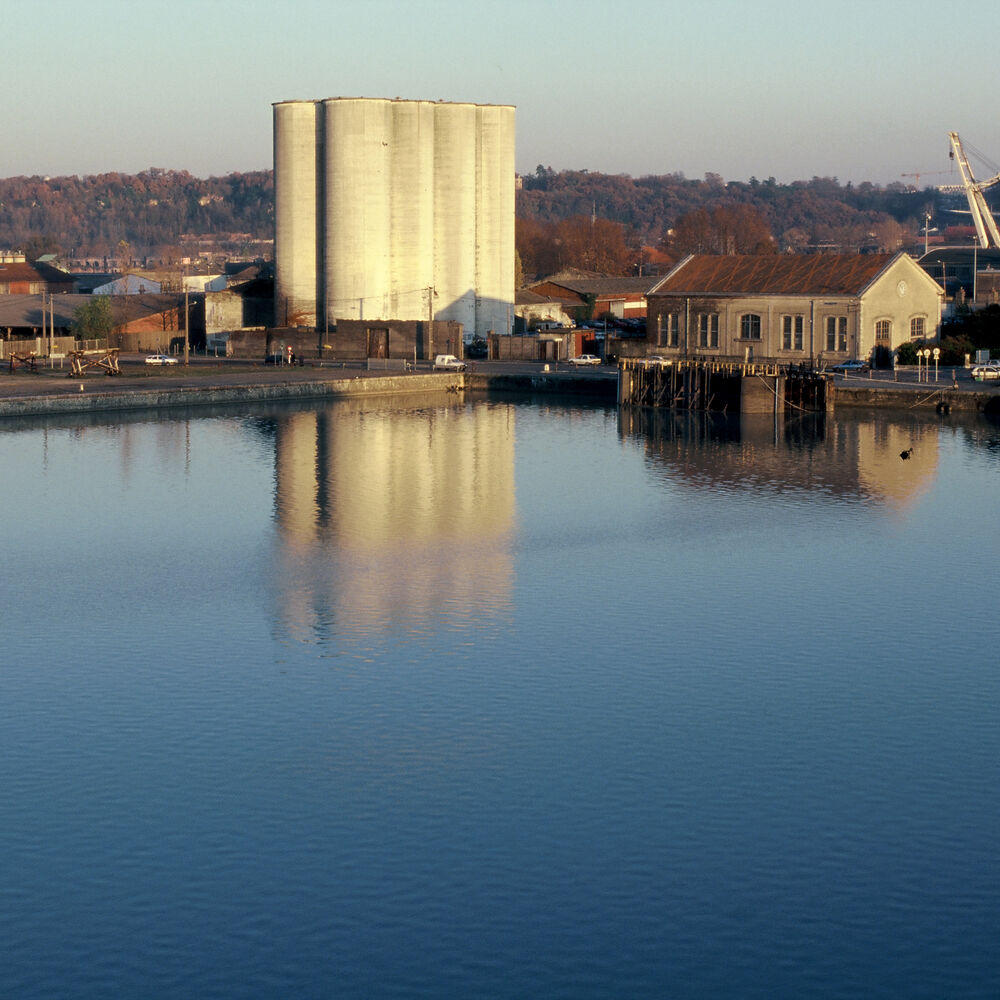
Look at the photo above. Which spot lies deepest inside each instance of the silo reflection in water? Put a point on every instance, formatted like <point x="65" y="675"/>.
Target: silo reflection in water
<point x="392" y="516"/>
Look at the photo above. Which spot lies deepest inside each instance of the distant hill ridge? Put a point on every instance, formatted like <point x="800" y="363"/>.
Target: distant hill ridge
<point x="158" y="211"/>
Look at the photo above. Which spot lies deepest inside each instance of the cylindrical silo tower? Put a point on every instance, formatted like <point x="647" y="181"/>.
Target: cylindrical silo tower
<point x="296" y="250"/>
<point x="495" y="219"/>
<point x="358" y="139"/>
<point x="411" y="193"/>
<point x="394" y="210"/>
<point x="455" y="214"/>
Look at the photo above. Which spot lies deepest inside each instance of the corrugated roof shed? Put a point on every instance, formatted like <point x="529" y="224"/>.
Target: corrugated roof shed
<point x="22" y="271"/>
<point x="20" y="311"/>
<point x="786" y="274"/>
<point x="601" y="286"/>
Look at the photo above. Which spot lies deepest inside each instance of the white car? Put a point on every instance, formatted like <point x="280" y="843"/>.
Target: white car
<point x="983" y="372"/>
<point x="585" y="359"/>
<point x="448" y="363"/>
<point x="160" y="359"/>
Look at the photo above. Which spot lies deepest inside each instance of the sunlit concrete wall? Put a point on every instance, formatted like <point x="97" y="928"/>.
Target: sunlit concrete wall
<point x="296" y="145"/>
<point x="411" y="210"/>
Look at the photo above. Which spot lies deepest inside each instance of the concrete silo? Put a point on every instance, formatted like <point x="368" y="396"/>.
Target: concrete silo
<point x="410" y="206"/>
<point x="296" y="237"/>
<point x="494" y="209"/>
<point x="455" y="213"/>
<point x="412" y="210"/>
<point x="358" y="137"/>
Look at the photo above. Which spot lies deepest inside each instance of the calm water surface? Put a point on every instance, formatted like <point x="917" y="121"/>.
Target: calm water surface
<point x="499" y="699"/>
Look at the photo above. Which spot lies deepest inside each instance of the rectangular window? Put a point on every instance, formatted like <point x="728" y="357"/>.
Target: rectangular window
<point x="750" y="326"/>
<point x="669" y="330"/>
<point x="708" y="330"/>
<point x="791" y="332"/>
<point x="836" y="333"/>
<point x="883" y="331"/>
<point x="917" y="328"/>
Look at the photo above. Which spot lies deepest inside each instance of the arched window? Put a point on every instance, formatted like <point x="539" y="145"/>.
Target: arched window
<point x="883" y="331"/>
<point x="750" y="326"/>
<point x="917" y="328"/>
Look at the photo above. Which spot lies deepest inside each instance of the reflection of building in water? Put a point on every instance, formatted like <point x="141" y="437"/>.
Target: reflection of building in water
<point x="389" y="516"/>
<point x="855" y="458"/>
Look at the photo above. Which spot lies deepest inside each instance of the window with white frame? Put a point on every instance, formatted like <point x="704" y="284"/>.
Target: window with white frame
<point x="836" y="333"/>
<point x="673" y="329"/>
<point x="708" y="330"/>
<point x="883" y="332"/>
<point x="750" y="326"/>
<point x="917" y="328"/>
<point x="792" y="328"/>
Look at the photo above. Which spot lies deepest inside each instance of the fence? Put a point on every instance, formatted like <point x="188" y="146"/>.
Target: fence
<point x="389" y="364"/>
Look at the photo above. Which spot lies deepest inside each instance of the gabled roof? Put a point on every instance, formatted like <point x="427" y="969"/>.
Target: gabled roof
<point x="526" y="297"/>
<point x="775" y="274"/>
<point x="598" y="285"/>
<point x="24" y="271"/>
<point x="26" y="310"/>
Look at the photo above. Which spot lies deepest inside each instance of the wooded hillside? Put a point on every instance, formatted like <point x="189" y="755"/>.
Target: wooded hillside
<point x="142" y="215"/>
<point x="150" y="214"/>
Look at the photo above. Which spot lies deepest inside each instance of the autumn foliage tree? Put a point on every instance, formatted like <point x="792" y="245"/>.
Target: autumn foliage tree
<point x="589" y="244"/>
<point x="724" y="229"/>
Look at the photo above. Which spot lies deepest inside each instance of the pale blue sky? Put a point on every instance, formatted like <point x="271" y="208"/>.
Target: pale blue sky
<point x="858" y="89"/>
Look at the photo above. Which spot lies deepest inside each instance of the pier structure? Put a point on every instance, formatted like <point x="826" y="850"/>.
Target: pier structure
<point x="727" y="386"/>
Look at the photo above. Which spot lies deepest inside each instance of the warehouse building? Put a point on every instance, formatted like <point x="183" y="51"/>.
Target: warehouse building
<point x="394" y="210"/>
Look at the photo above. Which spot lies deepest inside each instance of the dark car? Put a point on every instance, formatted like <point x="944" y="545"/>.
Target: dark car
<point x="851" y="368"/>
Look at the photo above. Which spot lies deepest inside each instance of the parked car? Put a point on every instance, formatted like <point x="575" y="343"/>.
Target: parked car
<point x="983" y="373"/>
<point x="585" y="359"/>
<point x="659" y="359"/>
<point x="160" y="359"/>
<point x="851" y="368"/>
<point x="448" y="363"/>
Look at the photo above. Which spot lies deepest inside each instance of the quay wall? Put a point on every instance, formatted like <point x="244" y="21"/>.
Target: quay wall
<point x="599" y="387"/>
<point x="928" y="398"/>
<point x="91" y="401"/>
<point x="603" y="386"/>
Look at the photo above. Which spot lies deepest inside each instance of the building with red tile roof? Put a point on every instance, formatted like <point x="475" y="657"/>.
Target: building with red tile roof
<point x="821" y="308"/>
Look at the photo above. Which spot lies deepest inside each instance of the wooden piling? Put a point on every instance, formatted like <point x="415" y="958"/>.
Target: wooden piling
<point x="701" y="384"/>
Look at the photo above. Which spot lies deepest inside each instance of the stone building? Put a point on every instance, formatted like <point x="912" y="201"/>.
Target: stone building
<point x="817" y="309"/>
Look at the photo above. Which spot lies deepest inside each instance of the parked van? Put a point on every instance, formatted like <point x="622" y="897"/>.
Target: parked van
<point x="448" y="363"/>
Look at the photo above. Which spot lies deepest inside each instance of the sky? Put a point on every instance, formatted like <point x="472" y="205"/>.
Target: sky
<point x="859" y="91"/>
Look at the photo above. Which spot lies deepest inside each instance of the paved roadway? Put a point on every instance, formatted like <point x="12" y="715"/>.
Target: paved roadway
<point x="947" y="378"/>
<point x="201" y="371"/>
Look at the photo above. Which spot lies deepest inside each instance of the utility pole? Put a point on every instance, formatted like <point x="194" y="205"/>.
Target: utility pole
<point x="187" y="339"/>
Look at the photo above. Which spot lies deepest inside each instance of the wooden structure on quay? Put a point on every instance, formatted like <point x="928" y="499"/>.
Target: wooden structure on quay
<point x="105" y="359"/>
<point x="27" y="360"/>
<point x="728" y="386"/>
